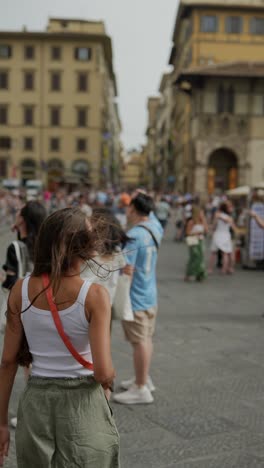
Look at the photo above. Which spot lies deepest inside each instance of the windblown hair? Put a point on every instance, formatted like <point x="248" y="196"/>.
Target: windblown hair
<point x="65" y="236"/>
<point x="115" y="235"/>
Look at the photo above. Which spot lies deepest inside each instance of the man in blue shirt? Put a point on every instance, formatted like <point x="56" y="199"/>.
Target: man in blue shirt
<point x="142" y="254"/>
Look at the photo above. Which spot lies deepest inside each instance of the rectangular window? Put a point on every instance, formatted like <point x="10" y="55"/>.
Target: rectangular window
<point x="54" y="144"/>
<point x="5" y="142"/>
<point x="55" y="81"/>
<point x="234" y="25"/>
<point x="55" y="116"/>
<point x="82" y="117"/>
<point x="28" y="81"/>
<point x="55" y="53"/>
<point x="257" y="26"/>
<point x="82" y="82"/>
<point x="3" y="115"/>
<point x="81" y="145"/>
<point x="28" y="115"/>
<point x="209" y="24"/>
<point x="5" y="51"/>
<point x="84" y="54"/>
<point x="28" y="143"/>
<point x="29" y="52"/>
<point x="3" y="80"/>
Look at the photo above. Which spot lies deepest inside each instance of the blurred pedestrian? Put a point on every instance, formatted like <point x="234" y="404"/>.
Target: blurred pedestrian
<point x="162" y="211"/>
<point x="84" y="207"/>
<point x="105" y="268"/>
<point x="222" y="239"/>
<point x="195" y="230"/>
<point x="20" y="254"/>
<point x="142" y="254"/>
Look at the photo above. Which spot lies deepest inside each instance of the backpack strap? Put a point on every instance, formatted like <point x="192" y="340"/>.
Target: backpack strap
<point x="151" y="233"/>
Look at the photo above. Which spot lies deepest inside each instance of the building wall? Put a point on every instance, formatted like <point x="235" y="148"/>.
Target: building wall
<point x="68" y="99"/>
<point x="222" y="47"/>
<point x="194" y="48"/>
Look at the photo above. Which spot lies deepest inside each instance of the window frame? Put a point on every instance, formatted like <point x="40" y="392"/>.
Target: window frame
<point x="28" y="122"/>
<point x="27" y="74"/>
<point x="4" y="109"/>
<point x="6" y="139"/>
<point x="4" y="73"/>
<point x="230" y="21"/>
<point x="29" y="56"/>
<point x="9" y="49"/>
<point x="54" y="75"/>
<point x="57" y="121"/>
<point x="254" y="21"/>
<point x="208" y="18"/>
<point x="26" y="146"/>
<point x="79" y="116"/>
<point x="80" y="76"/>
<point x="53" y="56"/>
<point x="55" y="148"/>
<point x="80" y="148"/>
<point x="77" y="54"/>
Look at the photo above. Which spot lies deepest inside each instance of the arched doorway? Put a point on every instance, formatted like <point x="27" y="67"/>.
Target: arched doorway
<point x="222" y="171"/>
<point x="55" y="169"/>
<point x="28" y="169"/>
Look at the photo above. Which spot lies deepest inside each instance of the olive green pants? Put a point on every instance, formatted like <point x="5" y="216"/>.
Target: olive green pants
<point x="65" y="423"/>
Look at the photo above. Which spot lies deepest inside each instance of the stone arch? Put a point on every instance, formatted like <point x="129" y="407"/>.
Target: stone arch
<point x="55" y="169"/>
<point x="222" y="166"/>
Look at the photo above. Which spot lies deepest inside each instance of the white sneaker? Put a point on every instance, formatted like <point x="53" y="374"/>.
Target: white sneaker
<point x="134" y="395"/>
<point x="13" y="422"/>
<point x="126" y="384"/>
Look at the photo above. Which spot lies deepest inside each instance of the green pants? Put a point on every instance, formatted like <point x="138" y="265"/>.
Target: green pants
<point x="65" y="423"/>
<point x="196" y="264"/>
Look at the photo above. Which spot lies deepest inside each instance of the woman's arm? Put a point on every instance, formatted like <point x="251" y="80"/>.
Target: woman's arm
<point x="257" y="218"/>
<point x="8" y="367"/>
<point x="99" y="315"/>
<point x="204" y="221"/>
<point x="189" y="228"/>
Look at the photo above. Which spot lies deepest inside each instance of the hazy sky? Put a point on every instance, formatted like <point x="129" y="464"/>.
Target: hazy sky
<point x="141" y="31"/>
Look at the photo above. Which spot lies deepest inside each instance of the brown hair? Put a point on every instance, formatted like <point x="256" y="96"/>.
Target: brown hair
<point x="64" y="236"/>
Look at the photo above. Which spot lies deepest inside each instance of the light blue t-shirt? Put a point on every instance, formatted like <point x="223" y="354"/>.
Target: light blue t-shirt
<point x="142" y="253"/>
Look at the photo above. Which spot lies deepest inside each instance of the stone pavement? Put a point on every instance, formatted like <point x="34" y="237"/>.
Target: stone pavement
<point x="209" y="371"/>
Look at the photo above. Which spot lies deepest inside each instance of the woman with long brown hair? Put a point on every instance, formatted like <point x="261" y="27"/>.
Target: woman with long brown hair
<point x="64" y="418"/>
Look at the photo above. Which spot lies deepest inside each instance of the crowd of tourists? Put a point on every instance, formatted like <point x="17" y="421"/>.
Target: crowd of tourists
<point x="79" y="260"/>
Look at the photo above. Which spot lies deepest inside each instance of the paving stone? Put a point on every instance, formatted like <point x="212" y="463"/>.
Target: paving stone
<point x="208" y="368"/>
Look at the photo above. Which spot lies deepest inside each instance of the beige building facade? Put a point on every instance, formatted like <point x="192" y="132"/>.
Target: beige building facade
<point x="217" y="115"/>
<point x="57" y="95"/>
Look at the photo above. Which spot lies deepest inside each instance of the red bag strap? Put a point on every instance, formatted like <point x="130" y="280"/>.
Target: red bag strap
<point x="58" y="324"/>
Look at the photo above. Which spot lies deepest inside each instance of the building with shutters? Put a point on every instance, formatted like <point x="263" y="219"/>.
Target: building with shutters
<point x="58" y="113"/>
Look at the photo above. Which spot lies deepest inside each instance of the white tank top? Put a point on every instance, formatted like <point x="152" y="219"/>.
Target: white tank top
<point x="51" y="358"/>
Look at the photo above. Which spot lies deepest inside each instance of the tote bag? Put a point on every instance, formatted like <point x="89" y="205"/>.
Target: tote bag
<point x="122" y="308"/>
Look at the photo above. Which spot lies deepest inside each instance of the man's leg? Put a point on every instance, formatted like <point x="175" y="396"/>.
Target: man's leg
<point x="142" y="359"/>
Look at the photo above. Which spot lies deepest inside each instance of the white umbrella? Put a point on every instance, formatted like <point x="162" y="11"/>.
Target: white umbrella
<point x="239" y="191"/>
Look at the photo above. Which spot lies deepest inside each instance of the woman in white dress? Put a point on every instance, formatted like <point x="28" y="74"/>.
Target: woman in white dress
<point x="222" y="239"/>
